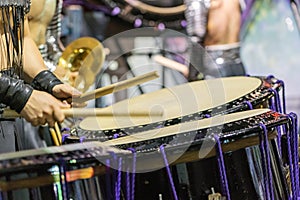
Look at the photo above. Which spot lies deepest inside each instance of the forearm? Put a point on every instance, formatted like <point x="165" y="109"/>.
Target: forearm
<point x="14" y="92"/>
<point x="33" y="61"/>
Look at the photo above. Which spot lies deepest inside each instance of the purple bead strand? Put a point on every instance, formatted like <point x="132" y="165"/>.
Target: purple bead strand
<point x="222" y="169"/>
<point x="169" y="172"/>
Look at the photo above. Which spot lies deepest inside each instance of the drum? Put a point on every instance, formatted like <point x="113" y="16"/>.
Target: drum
<point x="179" y="104"/>
<point x="234" y="154"/>
<point x="194" y="157"/>
<point x="73" y="171"/>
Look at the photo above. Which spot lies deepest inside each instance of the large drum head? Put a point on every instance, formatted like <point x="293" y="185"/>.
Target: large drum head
<point x="174" y="102"/>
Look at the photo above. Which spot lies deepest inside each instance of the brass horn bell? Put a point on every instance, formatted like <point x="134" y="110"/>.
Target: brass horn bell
<point x="81" y="61"/>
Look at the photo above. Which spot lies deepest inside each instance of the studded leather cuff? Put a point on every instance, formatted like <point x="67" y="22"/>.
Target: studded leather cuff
<point x="45" y="81"/>
<point x="14" y="92"/>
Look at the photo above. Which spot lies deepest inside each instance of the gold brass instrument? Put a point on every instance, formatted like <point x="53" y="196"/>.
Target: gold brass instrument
<point x="80" y="62"/>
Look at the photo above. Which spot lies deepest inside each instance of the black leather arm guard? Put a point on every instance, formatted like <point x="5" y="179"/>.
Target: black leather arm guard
<point x="45" y="81"/>
<point x="14" y="93"/>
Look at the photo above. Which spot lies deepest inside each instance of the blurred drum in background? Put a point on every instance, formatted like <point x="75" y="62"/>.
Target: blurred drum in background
<point x="66" y="172"/>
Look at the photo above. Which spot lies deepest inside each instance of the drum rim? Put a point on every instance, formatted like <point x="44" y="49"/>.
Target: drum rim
<point x="190" y="126"/>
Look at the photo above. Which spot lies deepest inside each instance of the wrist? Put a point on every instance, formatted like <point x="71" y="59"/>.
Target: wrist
<point x="45" y="81"/>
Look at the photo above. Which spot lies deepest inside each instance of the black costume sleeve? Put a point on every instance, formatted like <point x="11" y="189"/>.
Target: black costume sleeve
<point x="45" y="81"/>
<point x="14" y="92"/>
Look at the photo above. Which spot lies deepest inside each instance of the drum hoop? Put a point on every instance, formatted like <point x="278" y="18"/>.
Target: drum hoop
<point x="74" y="151"/>
<point x="250" y="128"/>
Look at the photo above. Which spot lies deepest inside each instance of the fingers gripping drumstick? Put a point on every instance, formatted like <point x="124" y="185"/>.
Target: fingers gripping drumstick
<point x="85" y="112"/>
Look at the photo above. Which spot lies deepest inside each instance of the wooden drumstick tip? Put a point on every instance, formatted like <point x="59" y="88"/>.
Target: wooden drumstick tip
<point x="116" y="87"/>
<point x="172" y="64"/>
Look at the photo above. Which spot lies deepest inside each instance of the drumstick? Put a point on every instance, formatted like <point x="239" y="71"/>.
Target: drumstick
<point x="54" y="136"/>
<point x="171" y="64"/>
<point x="116" y="87"/>
<point x="58" y="132"/>
<point x="88" y="112"/>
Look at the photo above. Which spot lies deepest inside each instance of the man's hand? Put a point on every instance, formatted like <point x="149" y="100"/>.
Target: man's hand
<point x="66" y="92"/>
<point x="42" y="108"/>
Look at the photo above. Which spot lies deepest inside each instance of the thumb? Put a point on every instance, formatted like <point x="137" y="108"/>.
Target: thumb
<point x="64" y="104"/>
<point x="76" y="93"/>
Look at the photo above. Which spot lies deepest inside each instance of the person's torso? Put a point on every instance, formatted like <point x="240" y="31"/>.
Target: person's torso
<point x="39" y="17"/>
<point x="224" y="21"/>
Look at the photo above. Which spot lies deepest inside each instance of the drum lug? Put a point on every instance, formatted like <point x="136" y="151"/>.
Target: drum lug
<point x="215" y="196"/>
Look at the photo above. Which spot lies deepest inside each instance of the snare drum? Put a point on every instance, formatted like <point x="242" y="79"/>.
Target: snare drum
<point x="179" y="104"/>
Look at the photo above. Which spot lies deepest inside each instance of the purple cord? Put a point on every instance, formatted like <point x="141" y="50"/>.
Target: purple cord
<point x="81" y="139"/>
<point x="65" y="129"/>
<point x="277" y="106"/>
<point x="207" y="116"/>
<point x="283" y="106"/>
<point x="115" y="136"/>
<point x="296" y="154"/>
<point x="168" y="171"/>
<point x="272" y="104"/>
<point x="283" y="96"/>
<point x="222" y="169"/>
<point x="293" y="154"/>
<point x="291" y="166"/>
<point x="114" y="182"/>
<point x="64" y="137"/>
<point x="118" y="187"/>
<point x="133" y="175"/>
<point x="115" y="175"/>
<point x="268" y="160"/>
<point x="249" y="104"/>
